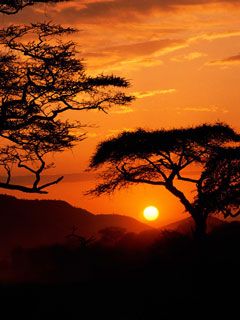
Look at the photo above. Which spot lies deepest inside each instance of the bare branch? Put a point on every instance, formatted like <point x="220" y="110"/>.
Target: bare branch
<point x="46" y="185"/>
<point x="21" y="188"/>
<point x="157" y="168"/>
<point x="187" y="179"/>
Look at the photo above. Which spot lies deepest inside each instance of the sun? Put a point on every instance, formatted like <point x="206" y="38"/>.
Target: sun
<point x="151" y="213"/>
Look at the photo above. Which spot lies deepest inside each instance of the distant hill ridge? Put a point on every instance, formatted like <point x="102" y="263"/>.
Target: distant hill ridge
<point x="187" y="225"/>
<point x="30" y="223"/>
<point x="11" y="200"/>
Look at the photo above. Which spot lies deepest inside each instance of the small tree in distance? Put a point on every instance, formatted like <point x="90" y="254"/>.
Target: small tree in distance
<point x="41" y="79"/>
<point x="161" y="157"/>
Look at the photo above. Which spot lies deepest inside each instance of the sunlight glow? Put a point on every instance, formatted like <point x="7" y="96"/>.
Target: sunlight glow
<point x="151" y="213"/>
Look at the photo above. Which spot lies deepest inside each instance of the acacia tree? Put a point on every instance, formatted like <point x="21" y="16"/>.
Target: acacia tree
<point x="162" y="157"/>
<point x="220" y="184"/>
<point x="14" y="6"/>
<point x="42" y="78"/>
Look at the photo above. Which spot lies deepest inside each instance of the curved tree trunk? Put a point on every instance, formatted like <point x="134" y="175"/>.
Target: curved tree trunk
<point x="198" y="217"/>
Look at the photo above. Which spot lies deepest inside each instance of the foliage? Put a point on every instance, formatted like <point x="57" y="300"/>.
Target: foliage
<point x="42" y="78"/>
<point x="14" y="6"/>
<point x="220" y="183"/>
<point x="161" y="158"/>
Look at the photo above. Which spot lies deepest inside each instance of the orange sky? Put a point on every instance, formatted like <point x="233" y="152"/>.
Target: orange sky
<point x="182" y="58"/>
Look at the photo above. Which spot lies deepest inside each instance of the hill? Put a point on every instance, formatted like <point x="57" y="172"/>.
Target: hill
<point x="186" y="226"/>
<point x="30" y="223"/>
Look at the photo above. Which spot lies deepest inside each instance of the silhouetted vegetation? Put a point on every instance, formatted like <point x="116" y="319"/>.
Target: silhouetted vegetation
<point x="61" y="262"/>
<point x="134" y="278"/>
<point x="163" y="156"/>
<point x="102" y="258"/>
<point x="117" y="274"/>
<point x="41" y="79"/>
<point x="14" y="6"/>
<point x="34" y="223"/>
<point x="220" y="192"/>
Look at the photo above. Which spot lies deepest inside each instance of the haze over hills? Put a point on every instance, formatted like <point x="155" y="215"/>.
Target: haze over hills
<point x="186" y="226"/>
<point x="30" y="223"/>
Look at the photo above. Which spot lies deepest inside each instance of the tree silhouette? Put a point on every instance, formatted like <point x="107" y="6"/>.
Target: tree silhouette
<point x="75" y="240"/>
<point x="219" y="191"/>
<point x="110" y="235"/>
<point x="14" y="6"/>
<point x="161" y="157"/>
<point x="41" y="79"/>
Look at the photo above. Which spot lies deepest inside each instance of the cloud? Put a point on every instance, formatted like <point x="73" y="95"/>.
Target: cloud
<point x="92" y="135"/>
<point x="146" y="47"/>
<point x="134" y="55"/>
<point x="106" y="11"/>
<point x="122" y="110"/>
<point x="215" y="36"/>
<point x="146" y="94"/>
<point x="232" y="60"/>
<point x="123" y="10"/>
<point x="115" y="132"/>
<point x="210" y="109"/>
<point x="190" y="56"/>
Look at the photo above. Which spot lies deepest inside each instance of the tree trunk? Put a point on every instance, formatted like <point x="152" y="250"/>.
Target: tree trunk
<point x="197" y="215"/>
<point x="200" y="227"/>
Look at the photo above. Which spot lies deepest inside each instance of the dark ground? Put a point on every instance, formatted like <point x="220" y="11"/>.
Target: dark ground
<point x="175" y="278"/>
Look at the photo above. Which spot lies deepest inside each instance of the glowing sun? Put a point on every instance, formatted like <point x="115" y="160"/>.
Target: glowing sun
<point x="151" y="213"/>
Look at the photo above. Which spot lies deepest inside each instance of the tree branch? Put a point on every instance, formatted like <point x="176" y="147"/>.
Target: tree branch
<point x="6" y="167"/>
<point x="21" y="188"/>
<point x="180" y="195"/>
<point x="155" y="183"/>
<point x="186" y="179"/>
<point x="50" y="183"/>
<point x="41" y="79"/>
<point x="157" y="168"/>
<point x="10" y="7"/>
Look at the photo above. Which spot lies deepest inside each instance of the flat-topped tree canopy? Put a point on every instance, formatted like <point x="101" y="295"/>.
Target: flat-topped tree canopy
<point x="142" y="143"/>
<point x="160" y="157"/>
<point x="14" y="6"/>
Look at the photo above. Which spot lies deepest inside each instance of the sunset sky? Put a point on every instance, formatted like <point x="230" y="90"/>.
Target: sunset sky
<point x="182" y="58"/>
